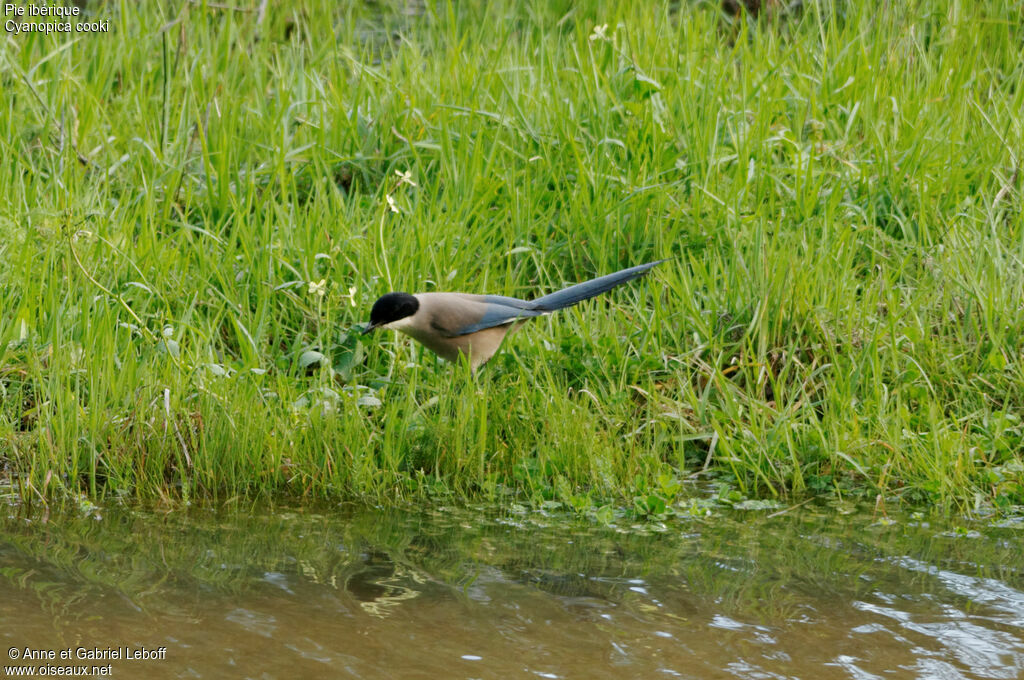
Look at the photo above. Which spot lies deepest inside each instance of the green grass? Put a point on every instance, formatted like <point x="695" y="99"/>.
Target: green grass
<point x="838" y="189"/>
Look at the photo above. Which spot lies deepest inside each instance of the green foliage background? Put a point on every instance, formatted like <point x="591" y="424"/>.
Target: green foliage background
<point x="838" y="186"/>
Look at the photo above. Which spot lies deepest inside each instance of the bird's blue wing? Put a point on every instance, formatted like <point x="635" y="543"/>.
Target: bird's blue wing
<point x="498" y="310"/>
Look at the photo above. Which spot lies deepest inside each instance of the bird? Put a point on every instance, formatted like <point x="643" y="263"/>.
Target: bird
<point x="453" y="325"/>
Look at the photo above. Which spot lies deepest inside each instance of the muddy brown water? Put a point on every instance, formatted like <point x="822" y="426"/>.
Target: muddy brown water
<point x="369" y="593"/>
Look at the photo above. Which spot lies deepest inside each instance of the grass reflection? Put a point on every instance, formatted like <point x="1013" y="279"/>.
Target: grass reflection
<point x="745" y="565"/>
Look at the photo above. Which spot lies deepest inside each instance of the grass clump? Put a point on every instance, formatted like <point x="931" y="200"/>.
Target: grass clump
<point x="199" y="206"/>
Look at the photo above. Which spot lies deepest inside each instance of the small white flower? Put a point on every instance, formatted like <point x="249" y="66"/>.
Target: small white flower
<point x="391" y="203"/>
<point x="405" y="178"/>
<point x="318" y="287"/>
<point x="352" y="296"/>
<point x="600" y="32"/>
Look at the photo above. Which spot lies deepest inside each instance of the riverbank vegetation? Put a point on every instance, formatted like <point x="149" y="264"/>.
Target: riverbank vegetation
<point x="198" y="208"/>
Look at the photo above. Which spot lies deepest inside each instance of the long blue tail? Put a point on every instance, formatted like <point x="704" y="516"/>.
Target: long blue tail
<point x="567" y="297"/>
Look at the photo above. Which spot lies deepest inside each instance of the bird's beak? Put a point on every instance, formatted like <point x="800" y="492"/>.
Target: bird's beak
<point x="369" y="327"/>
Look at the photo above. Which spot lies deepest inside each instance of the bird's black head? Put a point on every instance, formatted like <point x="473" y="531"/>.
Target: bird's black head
<point x="391" y="307"/>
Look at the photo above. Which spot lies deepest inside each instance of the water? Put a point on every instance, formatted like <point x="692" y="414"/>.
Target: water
<point x="363" y="593"/>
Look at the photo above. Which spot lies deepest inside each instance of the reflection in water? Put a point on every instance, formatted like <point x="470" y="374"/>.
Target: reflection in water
<point x="369" y="593"/>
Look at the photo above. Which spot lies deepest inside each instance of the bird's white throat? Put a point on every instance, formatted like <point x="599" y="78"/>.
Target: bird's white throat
<point x="400" y="324"/>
